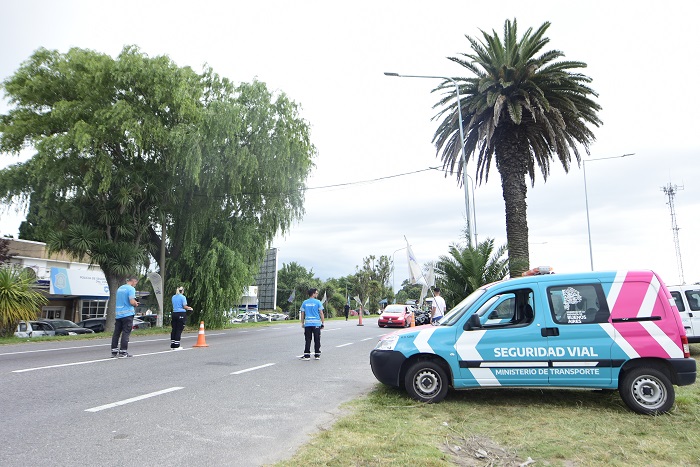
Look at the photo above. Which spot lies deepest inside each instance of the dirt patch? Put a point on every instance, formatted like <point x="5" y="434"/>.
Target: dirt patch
<point x="477" y="451"/>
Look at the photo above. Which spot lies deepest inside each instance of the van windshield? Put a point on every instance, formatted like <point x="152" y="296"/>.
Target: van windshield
<point x="458" y="311"/>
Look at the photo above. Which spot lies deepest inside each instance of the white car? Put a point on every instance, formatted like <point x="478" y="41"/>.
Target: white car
<point x="34" y="329"/>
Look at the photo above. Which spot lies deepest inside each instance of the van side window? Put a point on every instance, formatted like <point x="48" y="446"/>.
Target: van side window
<point x="578" y="304"/>
<point x="693" y="297"/>
<point x="511" y="308"/>
<point x="679" y="300"/>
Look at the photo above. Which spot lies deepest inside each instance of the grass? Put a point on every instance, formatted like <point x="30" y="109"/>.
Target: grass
<point x="502" y="427"/>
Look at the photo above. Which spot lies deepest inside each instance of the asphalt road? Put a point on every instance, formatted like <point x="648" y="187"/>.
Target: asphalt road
<point x="245" y="400"/>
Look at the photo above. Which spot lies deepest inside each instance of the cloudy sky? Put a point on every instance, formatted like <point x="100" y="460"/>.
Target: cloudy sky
<point x="372" y="185"/>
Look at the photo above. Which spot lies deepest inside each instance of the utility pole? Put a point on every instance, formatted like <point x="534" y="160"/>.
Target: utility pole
<point x="670" y="191"/>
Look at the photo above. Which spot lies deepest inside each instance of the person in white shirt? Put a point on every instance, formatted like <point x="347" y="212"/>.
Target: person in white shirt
<point x="438" y="309"/>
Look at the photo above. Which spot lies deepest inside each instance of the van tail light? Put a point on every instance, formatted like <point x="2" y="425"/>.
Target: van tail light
<point x="686" y="346"/>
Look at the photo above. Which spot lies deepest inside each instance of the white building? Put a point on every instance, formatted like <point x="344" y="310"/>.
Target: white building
<point x="75" y="290"/>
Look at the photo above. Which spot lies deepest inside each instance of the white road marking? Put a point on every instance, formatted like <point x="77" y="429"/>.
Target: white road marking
<point x="369" y="339"/>
<point x="133" y="342"/>
<point x="63" y="364"/>
<point x="133" y="399"/>
<point x="252" y="369"/>
<point x="344" y="345"/>
<point x="87" y="361"/>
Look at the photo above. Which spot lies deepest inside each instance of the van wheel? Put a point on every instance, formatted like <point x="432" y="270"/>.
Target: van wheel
<point x="647" y="391"/>
<point x="426" y="381"/>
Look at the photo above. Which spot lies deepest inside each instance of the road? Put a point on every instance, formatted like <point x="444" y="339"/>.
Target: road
<point x="244" y="400"/>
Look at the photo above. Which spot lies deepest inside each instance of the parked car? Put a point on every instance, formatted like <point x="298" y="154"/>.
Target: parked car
<point x="98" y="324"/>
<point x="34" y="329"/>
<point x="396" y="315"/>
<point x="422" y="317"/>
<point x="140" y="323"/>
<point x="150" y="319"/>
<point x="278" y="316"/>
<point x="240" y="318"/>
<point x="250" y="317"/>
<point x="64" y="327"/>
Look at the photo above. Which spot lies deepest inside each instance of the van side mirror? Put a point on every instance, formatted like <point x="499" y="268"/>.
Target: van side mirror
<point x="474" y="322"/>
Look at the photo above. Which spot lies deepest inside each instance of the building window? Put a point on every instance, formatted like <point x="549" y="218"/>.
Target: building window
<point x="93" y="309"/>
<point x="52" y="312"/>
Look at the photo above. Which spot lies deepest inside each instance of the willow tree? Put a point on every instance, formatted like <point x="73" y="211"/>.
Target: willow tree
<point x="127" y="146"/>
<point x="521" y="109"/>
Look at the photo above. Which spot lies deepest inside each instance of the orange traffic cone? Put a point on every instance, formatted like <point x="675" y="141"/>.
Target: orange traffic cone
<point x="201" y="341"/>
<point x="413" y="320"/>
<point x="361" y="313"/>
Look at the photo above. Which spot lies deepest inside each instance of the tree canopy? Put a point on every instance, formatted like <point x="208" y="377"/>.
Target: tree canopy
<point x="129" y="147"/>
<point x="521" y="109"/>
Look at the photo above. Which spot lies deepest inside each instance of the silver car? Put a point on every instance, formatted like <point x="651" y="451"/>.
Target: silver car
<point x="34" y="329"/>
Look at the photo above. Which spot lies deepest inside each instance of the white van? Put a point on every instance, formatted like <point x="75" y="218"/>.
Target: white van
<point x="687" y="298"/>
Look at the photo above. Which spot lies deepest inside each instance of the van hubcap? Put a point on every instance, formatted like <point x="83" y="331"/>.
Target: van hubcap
<point x="427" y="383"/>
<point x="649" y="392"/>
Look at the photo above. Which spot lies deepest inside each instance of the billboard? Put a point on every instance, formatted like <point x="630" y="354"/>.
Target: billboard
<point x="79" y="282"/>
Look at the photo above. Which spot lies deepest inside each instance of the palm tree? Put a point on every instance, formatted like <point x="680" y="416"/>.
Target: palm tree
<point x="467" y="268"/>
<point x="18" y="298"/>
<point x="522" y="109"/>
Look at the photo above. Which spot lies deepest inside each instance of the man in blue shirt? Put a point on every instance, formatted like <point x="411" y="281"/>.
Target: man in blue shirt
<point x="180" y="309"/>
<point x="126" y="301"/>
<point x="312" y="320"/>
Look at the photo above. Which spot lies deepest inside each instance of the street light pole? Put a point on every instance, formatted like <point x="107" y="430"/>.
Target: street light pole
<point x="585" y="191"/>
<point x="476" y="238"/>
<point x="461" y="140"/>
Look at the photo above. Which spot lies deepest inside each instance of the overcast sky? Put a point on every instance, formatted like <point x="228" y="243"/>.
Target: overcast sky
<point x="330" y="57"/>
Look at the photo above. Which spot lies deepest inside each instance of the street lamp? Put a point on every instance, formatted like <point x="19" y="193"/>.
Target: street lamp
<point x="461" y="140"/>
<point x="476" y="238"/>
<point x="393" y="272"/>
<point x="585" y="191"/>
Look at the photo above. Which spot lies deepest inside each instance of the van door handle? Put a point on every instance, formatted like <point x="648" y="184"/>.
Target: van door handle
<point x="547" y="332"/>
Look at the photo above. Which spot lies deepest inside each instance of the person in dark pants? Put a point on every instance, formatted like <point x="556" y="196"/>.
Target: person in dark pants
<point x="312" y="320"/>
<point x="346" y="309"/>
<point x="180" y="309"/>
<point x="125" y="303"/>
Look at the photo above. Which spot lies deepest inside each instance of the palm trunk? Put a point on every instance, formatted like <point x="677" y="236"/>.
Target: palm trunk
<point x="512" y="168"/>
<point x="114" y="283"/>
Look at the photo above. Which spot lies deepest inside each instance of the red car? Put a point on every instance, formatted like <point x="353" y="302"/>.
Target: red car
<point x="396" y="315"/>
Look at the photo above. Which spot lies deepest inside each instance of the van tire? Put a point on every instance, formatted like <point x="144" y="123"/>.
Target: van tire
<point x="426" y="381"/>
<point x="647" y="391"/>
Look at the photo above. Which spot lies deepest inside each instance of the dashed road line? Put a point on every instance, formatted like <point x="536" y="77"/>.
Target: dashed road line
<point x="86" y="362"/>
<point x="252" y="369"/>
<point x="133" y="399"/>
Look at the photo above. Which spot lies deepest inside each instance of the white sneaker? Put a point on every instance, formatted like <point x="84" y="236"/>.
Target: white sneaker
<point x="177" y="348"/>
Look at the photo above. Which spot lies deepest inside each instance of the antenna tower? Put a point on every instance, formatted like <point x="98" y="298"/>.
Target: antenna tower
<point x="670" y="191"/>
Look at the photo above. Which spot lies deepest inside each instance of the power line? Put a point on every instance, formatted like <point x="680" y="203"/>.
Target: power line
<point x="372" y="180"/>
